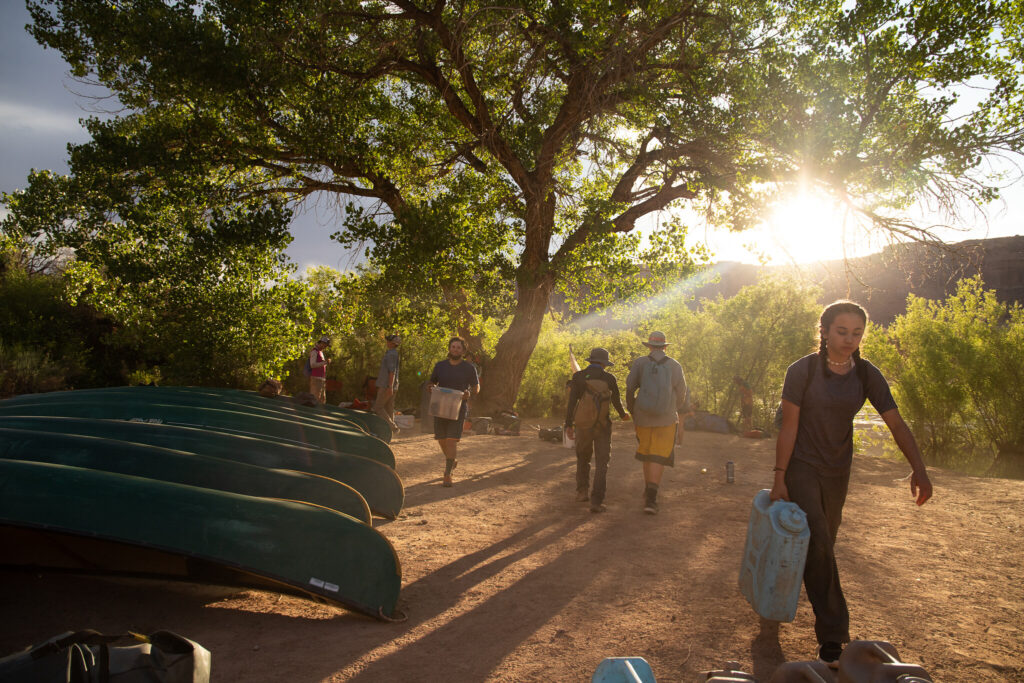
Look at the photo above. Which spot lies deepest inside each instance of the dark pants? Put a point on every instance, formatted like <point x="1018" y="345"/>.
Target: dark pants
<point x="822" y="498"/>
<point x="596" y="441"/>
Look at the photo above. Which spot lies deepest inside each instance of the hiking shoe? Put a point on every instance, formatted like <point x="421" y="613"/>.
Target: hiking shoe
<point x="581" y="496"/>
<point x="598" y="507"/>
<point x="651" y="501"/>
<point x="828" y="654"/>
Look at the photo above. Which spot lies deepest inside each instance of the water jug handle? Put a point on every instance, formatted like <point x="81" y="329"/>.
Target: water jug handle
<point x="792" y="518"/>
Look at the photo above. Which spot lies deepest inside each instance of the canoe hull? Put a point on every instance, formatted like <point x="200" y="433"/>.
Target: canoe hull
<point x="378" y="484"/>
<point x="147" y="527"/>
<point x="117" y="407"/>
<point x="182" y="468"/>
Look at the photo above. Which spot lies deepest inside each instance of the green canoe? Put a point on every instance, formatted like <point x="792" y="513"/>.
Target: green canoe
<point x="378" y="483"/>
<point x="181" y="468"/>
<point x="185" y="397"/>
<point x="236" y="399"/>
<point x="123" y="407"/>
<point x="60" y="517"/>
<point x="371" y="423"/>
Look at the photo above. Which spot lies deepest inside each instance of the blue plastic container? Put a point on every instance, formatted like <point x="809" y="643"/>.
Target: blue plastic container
<point x="623" y="670"/>
<point x="774" y="557"/>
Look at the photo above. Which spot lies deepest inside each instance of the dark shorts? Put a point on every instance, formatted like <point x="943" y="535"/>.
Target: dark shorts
<point x="448" y="429"/>
<point x="746" y="411"/>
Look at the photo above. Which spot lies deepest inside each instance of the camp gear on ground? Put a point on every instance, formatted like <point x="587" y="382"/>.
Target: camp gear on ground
<point x="623" y="670"/>
<point x="552" y="434"/>
<point x="160" y="657"/>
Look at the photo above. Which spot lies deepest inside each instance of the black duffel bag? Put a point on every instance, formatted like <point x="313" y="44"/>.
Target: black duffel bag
<point x="89" y="657"/>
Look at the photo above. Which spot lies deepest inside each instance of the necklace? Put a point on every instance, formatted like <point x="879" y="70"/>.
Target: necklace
<point x="841" y="364"/>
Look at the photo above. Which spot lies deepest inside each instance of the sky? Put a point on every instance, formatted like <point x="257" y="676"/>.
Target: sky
<point x="40" y="105"/>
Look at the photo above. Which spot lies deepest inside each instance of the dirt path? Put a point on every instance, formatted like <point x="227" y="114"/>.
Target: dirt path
<point x="507" y="579"/>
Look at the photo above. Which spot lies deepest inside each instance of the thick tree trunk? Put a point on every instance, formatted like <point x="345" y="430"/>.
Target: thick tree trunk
<point x="502" y="374"/>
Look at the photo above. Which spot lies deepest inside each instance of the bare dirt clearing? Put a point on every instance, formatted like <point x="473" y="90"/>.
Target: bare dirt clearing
<point x="507" y="579"/>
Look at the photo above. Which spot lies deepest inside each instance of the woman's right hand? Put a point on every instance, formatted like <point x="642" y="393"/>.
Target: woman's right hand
<point x="779" y="490"/>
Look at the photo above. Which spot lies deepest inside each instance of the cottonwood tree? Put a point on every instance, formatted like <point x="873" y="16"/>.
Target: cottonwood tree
<point x="556" y="132"/>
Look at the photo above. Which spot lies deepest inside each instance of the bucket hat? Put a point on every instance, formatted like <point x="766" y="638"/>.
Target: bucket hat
<point x="656" y="340"/>
<point x="325" y="340"/>
<point x="599" y="355"/>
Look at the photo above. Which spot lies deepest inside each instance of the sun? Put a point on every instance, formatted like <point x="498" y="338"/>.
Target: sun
<point x="802" y="228"/>
<point x="808" y="228"/>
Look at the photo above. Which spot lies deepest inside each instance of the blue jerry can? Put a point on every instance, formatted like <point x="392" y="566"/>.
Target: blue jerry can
<point x="623" y="670"/>
<point x="774" y="557"/>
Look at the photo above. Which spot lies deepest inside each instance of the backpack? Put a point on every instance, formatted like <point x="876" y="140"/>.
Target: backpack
<point x="862" y="374"/>
<point x="307" y="369"/>
<point x="594" y="404"/>
<point x="655" y="394"/>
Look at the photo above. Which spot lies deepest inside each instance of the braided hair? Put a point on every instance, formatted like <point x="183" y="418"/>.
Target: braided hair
<point x="828" y="316"/>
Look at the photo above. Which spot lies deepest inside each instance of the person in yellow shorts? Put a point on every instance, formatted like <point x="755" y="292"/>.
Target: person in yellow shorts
<point x="656" y="396"/>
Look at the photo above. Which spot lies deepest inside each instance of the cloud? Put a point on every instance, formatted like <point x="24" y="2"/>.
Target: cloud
<point x="27" y="117"/>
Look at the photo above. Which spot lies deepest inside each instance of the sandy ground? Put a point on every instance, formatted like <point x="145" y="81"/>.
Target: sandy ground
<point x="507" y="579"/>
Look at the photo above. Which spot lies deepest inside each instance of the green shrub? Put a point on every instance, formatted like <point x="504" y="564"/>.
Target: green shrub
<point x="957" y="368"/>
<point x="28" y="370"/>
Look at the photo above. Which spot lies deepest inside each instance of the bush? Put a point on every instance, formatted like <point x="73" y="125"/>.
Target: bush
<point x="755" y="334"/>
<point x="958" y="372"/>
<point x="543" y="389"/>
<point x="28" y="371"/>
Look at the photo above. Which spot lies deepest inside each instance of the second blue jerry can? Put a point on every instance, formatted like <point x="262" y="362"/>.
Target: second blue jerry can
<point x="774" y="557"/>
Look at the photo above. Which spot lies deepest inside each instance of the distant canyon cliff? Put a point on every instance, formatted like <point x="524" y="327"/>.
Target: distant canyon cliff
<point x="882" y="281"/>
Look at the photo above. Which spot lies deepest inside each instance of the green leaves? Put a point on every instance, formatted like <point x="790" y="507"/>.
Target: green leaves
<point x="957" y="366"/>
<point x="506" y="151"/>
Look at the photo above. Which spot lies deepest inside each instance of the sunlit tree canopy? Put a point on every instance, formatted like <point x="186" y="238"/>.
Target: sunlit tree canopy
<point x="493" y="154"/>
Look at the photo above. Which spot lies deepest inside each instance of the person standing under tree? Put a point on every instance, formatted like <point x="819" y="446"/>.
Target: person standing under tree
<point x="814" y="453"/>
<point x="453" y="373"/>
<point x="387" y="382"/>
<point x="318" y="369"/>
<point x="656" y="396"/>
<point x="592" y="392"/>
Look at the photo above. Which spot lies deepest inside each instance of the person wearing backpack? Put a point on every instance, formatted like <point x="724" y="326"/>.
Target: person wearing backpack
<point x="814" y="454"/>
<point x="592" y="392"/>
<point x="656" y="396"/>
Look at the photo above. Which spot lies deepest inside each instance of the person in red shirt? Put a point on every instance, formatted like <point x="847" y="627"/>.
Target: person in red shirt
<point x="318" y="369"/>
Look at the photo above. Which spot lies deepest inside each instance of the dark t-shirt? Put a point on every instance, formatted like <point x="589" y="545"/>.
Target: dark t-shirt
<point x="824" y="437"/>
<point x="460" y="376"/>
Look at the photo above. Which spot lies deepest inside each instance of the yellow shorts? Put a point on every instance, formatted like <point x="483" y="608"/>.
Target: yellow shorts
<point x="657" y="444"/>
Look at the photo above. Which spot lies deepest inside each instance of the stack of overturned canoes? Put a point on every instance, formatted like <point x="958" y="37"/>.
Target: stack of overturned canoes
<point x="203" y="484"/>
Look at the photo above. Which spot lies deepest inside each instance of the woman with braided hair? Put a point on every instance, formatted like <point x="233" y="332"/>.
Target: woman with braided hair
<point x="814" y="453"/>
